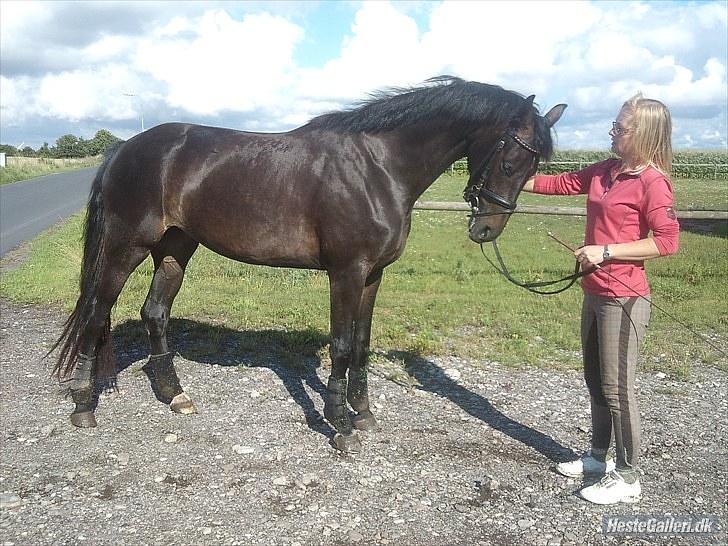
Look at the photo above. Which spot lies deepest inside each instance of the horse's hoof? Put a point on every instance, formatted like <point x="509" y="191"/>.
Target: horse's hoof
<point x="83" y="419"/>
<point x="349" y="443"/>
<point x="183" y="404"/>
<point x="365" y="421"/>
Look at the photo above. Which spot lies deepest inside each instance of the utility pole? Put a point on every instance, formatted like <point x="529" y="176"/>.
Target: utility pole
<point x="141" y="108"/>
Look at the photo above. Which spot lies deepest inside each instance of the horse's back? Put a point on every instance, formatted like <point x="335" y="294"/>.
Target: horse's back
<point x="224" y="188"/>
<point x="287" y="199"/>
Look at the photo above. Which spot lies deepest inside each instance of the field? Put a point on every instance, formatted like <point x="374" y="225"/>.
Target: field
<point x="24" y="168"/>
<point x="441" y="297"/>
<point x="705" y="164"/>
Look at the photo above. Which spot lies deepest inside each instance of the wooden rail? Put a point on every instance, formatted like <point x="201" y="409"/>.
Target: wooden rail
<point x="565" y="211"/>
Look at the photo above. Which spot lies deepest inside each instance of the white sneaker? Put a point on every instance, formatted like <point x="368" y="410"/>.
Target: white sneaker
<point x="612" y="489"/>
<point x="586" y="464"/>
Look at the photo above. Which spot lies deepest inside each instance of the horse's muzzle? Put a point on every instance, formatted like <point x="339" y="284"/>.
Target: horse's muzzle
<point x="480" y="234"/>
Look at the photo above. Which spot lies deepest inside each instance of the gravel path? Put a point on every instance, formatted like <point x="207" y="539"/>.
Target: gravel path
<point x="464" y="455"/>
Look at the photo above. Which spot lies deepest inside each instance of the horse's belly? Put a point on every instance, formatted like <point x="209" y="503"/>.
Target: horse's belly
<point x="265" y="247"/>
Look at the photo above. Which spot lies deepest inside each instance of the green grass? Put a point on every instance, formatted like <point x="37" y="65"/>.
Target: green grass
<point x="440" y="298"/>
<point x="24" y="168"/>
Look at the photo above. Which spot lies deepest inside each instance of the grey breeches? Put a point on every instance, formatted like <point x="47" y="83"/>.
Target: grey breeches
<point x="612" y="330"/>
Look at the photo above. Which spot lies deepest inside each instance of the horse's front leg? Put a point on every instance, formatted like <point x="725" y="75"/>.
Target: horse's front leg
<point x="346" y="291"/>
<point x="358" y="394"/>
<point x="169" y="261"/>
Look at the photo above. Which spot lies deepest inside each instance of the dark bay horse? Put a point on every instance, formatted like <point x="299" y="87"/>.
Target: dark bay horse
<point x="335" y="194"/>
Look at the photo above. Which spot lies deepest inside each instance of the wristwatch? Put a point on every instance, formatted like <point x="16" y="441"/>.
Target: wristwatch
<point x="606" y="255"/>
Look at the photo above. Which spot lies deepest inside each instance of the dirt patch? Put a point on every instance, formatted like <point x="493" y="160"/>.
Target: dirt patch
<point x="15" y="257"/>
<point x="464" y="456"/>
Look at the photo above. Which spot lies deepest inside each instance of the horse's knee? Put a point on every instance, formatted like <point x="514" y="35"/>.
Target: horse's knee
<point x="341" y="353"/>
<point x="155" y="318"/>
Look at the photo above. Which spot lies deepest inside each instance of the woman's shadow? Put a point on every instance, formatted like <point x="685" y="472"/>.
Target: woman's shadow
<point x="433" y="379"/>
<point x="294" y="356"/>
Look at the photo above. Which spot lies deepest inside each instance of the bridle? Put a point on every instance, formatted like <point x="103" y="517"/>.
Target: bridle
<point x="478" y="186"/>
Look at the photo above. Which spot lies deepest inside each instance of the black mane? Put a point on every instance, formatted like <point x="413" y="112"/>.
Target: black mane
<point x="464" y="103"/>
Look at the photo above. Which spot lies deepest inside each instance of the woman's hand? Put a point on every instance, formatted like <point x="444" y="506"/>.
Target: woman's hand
<point x="589" y="255"/>
<point x="636" y="251"/>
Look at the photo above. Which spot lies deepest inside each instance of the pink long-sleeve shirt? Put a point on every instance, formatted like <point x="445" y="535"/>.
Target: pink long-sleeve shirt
<point x="620" y="211"/>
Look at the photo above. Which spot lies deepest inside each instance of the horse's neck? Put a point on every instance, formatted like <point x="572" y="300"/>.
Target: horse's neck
<point x="425" y="155"/>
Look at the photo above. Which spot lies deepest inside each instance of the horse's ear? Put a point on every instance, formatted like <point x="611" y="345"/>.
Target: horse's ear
<point x="523" y="113"/>
<point x="553" y="115"/>
<point x="528" y="106"/>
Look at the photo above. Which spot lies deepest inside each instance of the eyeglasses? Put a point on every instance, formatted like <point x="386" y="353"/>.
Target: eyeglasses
<point x="618" y="129"/>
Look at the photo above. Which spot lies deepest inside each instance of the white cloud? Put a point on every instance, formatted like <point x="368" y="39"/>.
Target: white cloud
<point x="17" y="16"/>
<point x="211" y="61"/>
<point x="216" y="63"/>
<point x="86" y="94"/>
<point x="488" y="41"/>
<point x="381" y="51"/>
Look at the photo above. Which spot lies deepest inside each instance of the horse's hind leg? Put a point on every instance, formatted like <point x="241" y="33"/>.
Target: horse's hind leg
<point x="357" y="393"/>
<point x="170" y="260"/>
<point x="95" y="361"/>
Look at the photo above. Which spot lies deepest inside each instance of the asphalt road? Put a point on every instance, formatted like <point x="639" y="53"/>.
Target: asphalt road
<point x="32" y="206"/>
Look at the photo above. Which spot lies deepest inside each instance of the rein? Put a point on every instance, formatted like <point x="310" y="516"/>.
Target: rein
<point x="534" y="286"/>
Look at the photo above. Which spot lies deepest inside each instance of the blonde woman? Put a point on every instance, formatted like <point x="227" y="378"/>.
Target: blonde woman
<point x="627" y="197"/>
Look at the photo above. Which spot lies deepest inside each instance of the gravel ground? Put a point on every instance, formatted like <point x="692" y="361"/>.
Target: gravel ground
<point x="464" y="456"/>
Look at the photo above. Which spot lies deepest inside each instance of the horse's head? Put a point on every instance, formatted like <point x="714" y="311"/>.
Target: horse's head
<point x="503" y="168"/>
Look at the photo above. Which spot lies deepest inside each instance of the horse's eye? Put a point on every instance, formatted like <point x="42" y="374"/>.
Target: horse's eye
<point x="507" y="168"/>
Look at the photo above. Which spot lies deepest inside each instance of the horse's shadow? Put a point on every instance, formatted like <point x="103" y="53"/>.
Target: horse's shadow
<point x="294" y="356"/>
<point x="291" y="354"/>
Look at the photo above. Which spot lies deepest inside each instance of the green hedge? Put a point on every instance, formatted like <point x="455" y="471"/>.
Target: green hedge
<point x="711" y="165"/>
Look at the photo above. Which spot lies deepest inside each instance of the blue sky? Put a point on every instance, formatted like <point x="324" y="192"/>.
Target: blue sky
<point x="68" y="67"/>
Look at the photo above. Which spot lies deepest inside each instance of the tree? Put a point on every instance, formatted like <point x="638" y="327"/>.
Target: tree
<point x="9" y="150"/>
<point x="101" y="142"/>
<point x="69" y="146"/>
<point x="44" y="151"/>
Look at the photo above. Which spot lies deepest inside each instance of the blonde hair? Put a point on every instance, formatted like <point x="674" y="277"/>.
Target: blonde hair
<point x="652" y="127"/>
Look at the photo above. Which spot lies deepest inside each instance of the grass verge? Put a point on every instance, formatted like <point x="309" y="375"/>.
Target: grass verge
<point x="24" y="168"/>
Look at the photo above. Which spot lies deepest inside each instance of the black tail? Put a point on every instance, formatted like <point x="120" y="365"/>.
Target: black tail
<point x="93" y="263"/>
